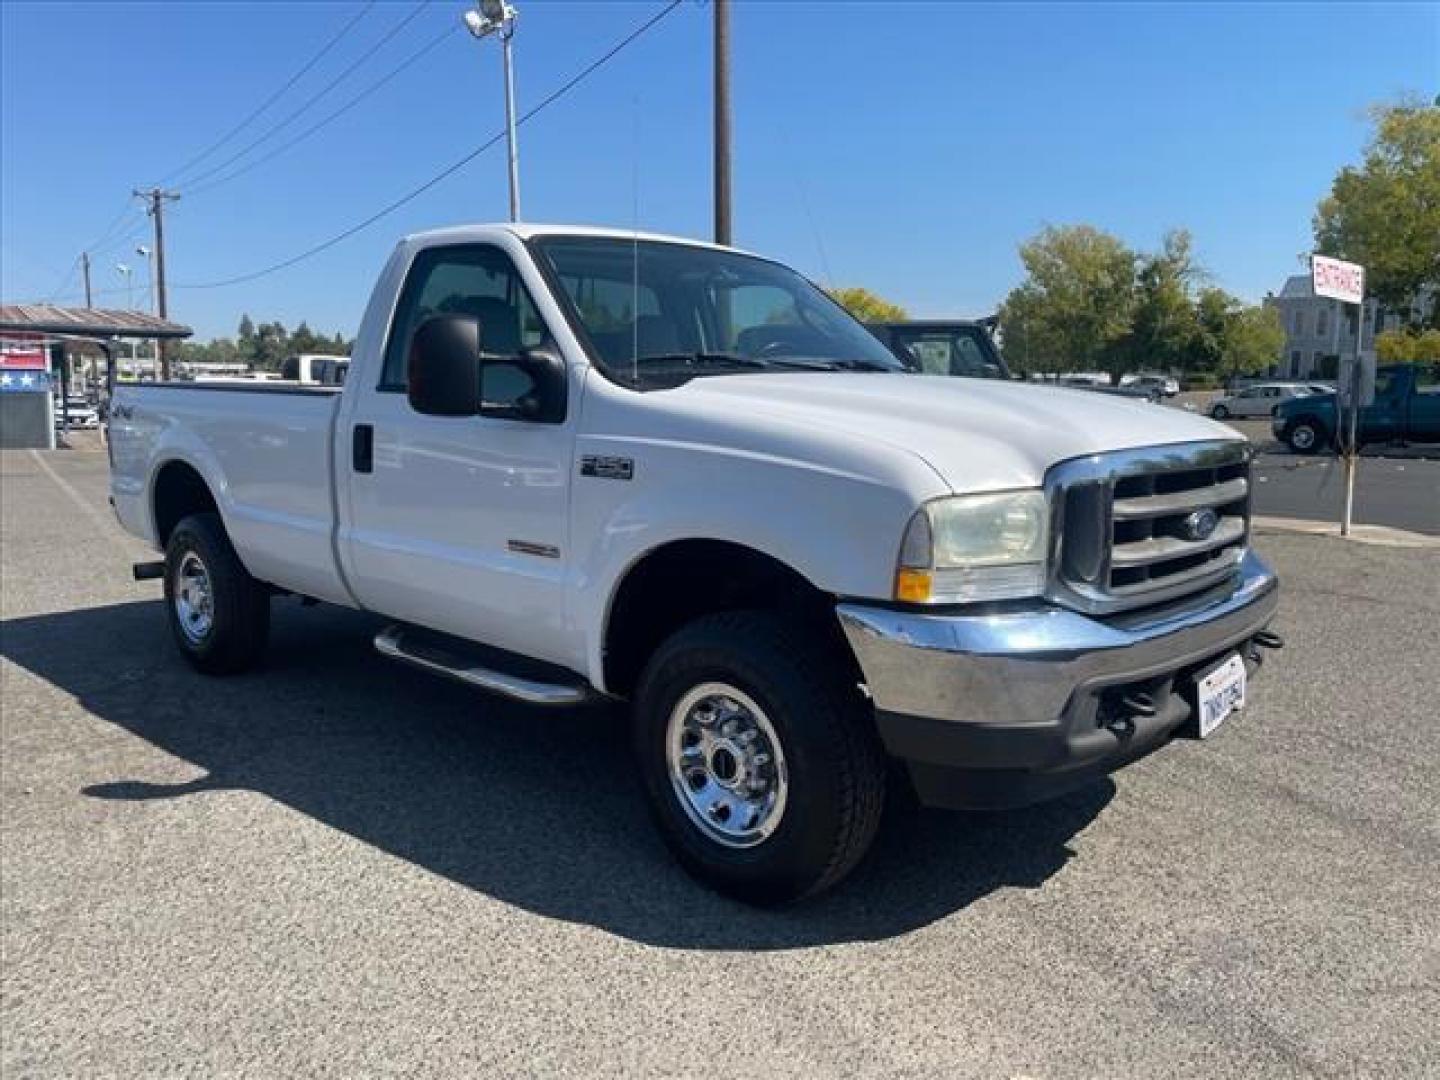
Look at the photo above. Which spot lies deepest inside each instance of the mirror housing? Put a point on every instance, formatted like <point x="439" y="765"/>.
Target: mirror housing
<point x="443" y="376"/>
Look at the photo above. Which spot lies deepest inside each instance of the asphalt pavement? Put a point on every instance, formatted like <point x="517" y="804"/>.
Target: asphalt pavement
<point x="337" y="866"/>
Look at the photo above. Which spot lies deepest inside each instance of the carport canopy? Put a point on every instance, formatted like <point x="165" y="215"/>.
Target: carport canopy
<point x="100" y="325"/>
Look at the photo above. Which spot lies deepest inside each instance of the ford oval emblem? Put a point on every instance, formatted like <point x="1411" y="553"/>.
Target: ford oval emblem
<point x="1200" y="524"/>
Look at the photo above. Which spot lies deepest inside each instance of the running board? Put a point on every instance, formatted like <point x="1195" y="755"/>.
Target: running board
<point x="424" y="650"/>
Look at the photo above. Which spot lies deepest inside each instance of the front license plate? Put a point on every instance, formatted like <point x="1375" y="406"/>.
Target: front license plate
<point x="1220" y="693"/>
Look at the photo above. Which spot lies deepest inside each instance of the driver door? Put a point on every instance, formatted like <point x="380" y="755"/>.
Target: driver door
<point x="459" y="523"/>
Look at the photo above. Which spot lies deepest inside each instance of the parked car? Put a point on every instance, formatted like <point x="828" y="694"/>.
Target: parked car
<point x="332" y="372"/>
<point x="580" y="464"/>
<point x="1100" y="384"/>
<point x="960" y="347"/>
<point x="308" y="368"/>
<point x="1261" y="399"/>
<point x="78" y="413"/>
<point x="1165" y="385"/>
<point x="1088" y="379"/>
<point x="1406" y="409"/>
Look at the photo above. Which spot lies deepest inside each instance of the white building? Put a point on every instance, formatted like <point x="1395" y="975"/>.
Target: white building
<point x="1318" y="331"/>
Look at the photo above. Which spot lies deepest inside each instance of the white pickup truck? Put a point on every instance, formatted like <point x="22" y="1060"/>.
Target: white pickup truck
<point x="575" y="464"/>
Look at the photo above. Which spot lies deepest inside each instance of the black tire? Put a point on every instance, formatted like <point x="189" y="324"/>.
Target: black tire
<point x="1305" y="436"/>
<point x="1220" y="412"/>
<point x="239" y="623"/>
<point x="834" y="762"/>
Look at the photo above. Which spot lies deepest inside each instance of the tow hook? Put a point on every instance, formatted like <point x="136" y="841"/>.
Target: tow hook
<point x="1268" y="639"/>
<point x="1140" y="703"/>
<point x="1264" y="639"/>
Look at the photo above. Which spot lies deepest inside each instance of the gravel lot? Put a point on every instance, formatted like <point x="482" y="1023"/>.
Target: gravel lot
<point x="339" y="866"/>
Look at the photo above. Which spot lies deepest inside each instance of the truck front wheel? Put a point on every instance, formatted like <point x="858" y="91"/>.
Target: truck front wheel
<point x="762" y="765"/>
<point x="1304" y="437"/>
<point x="219" y="614"/>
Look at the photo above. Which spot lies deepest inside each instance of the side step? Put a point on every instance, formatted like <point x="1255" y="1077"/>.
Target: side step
<point x="461" y="660"/>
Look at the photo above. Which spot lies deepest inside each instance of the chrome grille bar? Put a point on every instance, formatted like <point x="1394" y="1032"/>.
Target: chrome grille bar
<point x="1140" y="527"/>
<point x="1159" y="548"/>
<point x="1181" y="502"/>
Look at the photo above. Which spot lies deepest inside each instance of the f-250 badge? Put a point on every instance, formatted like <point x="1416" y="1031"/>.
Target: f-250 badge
<point x="607" y="468"/>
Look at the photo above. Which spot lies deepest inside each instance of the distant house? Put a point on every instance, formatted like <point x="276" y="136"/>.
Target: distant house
<point x="1319" y="331"/>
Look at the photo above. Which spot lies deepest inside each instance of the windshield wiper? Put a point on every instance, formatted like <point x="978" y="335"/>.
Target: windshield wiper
<point x="831" y="363"/>
<point x="695" y="359"/>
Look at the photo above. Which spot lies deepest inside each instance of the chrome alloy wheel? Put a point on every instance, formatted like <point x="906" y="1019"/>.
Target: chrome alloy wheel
<point x="1303" y="437"/>
<point x="726" y="765"/>
<point x="194" y="599"/>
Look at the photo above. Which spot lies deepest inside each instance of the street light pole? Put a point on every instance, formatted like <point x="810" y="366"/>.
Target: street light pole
<point x="498" y="16"/>
<point x="129" y="275"/>
<point x="148" y="255"/>
<point x="145" y="253"/>
<point x="513" y="150"/>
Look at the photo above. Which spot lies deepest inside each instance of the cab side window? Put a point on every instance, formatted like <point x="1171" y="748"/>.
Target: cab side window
<point x="476" y="280"/>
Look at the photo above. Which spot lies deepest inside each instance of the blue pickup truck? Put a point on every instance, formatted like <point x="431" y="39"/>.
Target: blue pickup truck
<point x="1406" y="409"/>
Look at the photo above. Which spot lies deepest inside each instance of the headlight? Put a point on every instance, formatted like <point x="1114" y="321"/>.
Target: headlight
<point x="975" y="547"/>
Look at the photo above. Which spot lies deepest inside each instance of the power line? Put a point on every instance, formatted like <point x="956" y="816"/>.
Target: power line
<point x="137" y="231"/>
<point x="449" y="170"/>
<point x="103" y="243"/>
<point x="290" y="118"/>
<point x="116" y="222"/>
<point x="335" y="40"/>
<point x="69" y="276"/>
<point x="407" y="63"/>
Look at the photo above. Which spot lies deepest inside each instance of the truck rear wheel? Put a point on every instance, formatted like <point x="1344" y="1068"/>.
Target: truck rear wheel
<point x="762" y="766"/>
<point x="219" y="614"/>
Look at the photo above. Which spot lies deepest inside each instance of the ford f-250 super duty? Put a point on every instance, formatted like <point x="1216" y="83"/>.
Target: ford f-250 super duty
<point x="572" y="464"/>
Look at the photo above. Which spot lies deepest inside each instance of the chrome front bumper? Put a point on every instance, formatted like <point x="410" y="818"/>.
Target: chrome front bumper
<point x="1040" y="691"/>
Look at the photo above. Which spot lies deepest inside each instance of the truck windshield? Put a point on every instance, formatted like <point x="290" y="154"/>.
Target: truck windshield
<point x="654" y="313"/>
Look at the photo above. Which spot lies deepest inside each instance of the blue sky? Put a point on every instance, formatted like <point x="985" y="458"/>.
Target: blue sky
<point x="909" y="150"/>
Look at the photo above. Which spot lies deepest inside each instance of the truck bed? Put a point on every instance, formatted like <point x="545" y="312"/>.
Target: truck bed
<point x="265" y="452"/>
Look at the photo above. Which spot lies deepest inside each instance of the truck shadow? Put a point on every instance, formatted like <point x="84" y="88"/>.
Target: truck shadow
<point x="536" y="808"/>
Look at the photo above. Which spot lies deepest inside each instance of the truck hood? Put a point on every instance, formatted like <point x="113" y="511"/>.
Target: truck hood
<point x="977" y="434"/>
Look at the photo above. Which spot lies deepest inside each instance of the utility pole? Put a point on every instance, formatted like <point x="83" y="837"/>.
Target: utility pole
<point x="722" y="122"/>
<point x="85" y="269"/>
<point x="157" y="197"/>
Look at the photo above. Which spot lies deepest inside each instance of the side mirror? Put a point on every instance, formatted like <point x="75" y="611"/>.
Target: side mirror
<point x="443" y="377"/>
<point x="543" y="401"/>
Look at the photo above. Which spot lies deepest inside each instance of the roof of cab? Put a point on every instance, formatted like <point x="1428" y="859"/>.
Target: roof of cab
<point x="525" y="230"/>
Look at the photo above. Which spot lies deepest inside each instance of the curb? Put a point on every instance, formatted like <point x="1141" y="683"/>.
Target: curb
<point x="1380" y="535"/>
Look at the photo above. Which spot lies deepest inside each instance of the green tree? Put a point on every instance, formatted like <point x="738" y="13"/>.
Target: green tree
<point x="271" y="344"/>
<point x="1399" y="346"/>
<point x="1164" y="325"/>
<point x="1253" y="340"/>
<point x="264" y="347"/>
<point x="1076" y="304"/>
<point x="1213" y="311"/>
<point x="305" y="340"/>
<point x="866" y="306"/>
<point x="1385" y="214"/>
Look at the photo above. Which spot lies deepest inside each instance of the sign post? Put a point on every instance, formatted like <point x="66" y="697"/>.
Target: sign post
<point x="1345" y="281"/>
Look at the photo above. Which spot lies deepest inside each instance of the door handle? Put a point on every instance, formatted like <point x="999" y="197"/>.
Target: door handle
<point x="362" y="448"/>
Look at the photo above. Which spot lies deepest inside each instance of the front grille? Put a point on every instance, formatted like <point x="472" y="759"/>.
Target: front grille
<point x="1141" y="526"/>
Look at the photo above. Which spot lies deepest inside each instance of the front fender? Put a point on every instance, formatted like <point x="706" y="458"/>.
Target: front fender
<point x="838" y="530"/>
